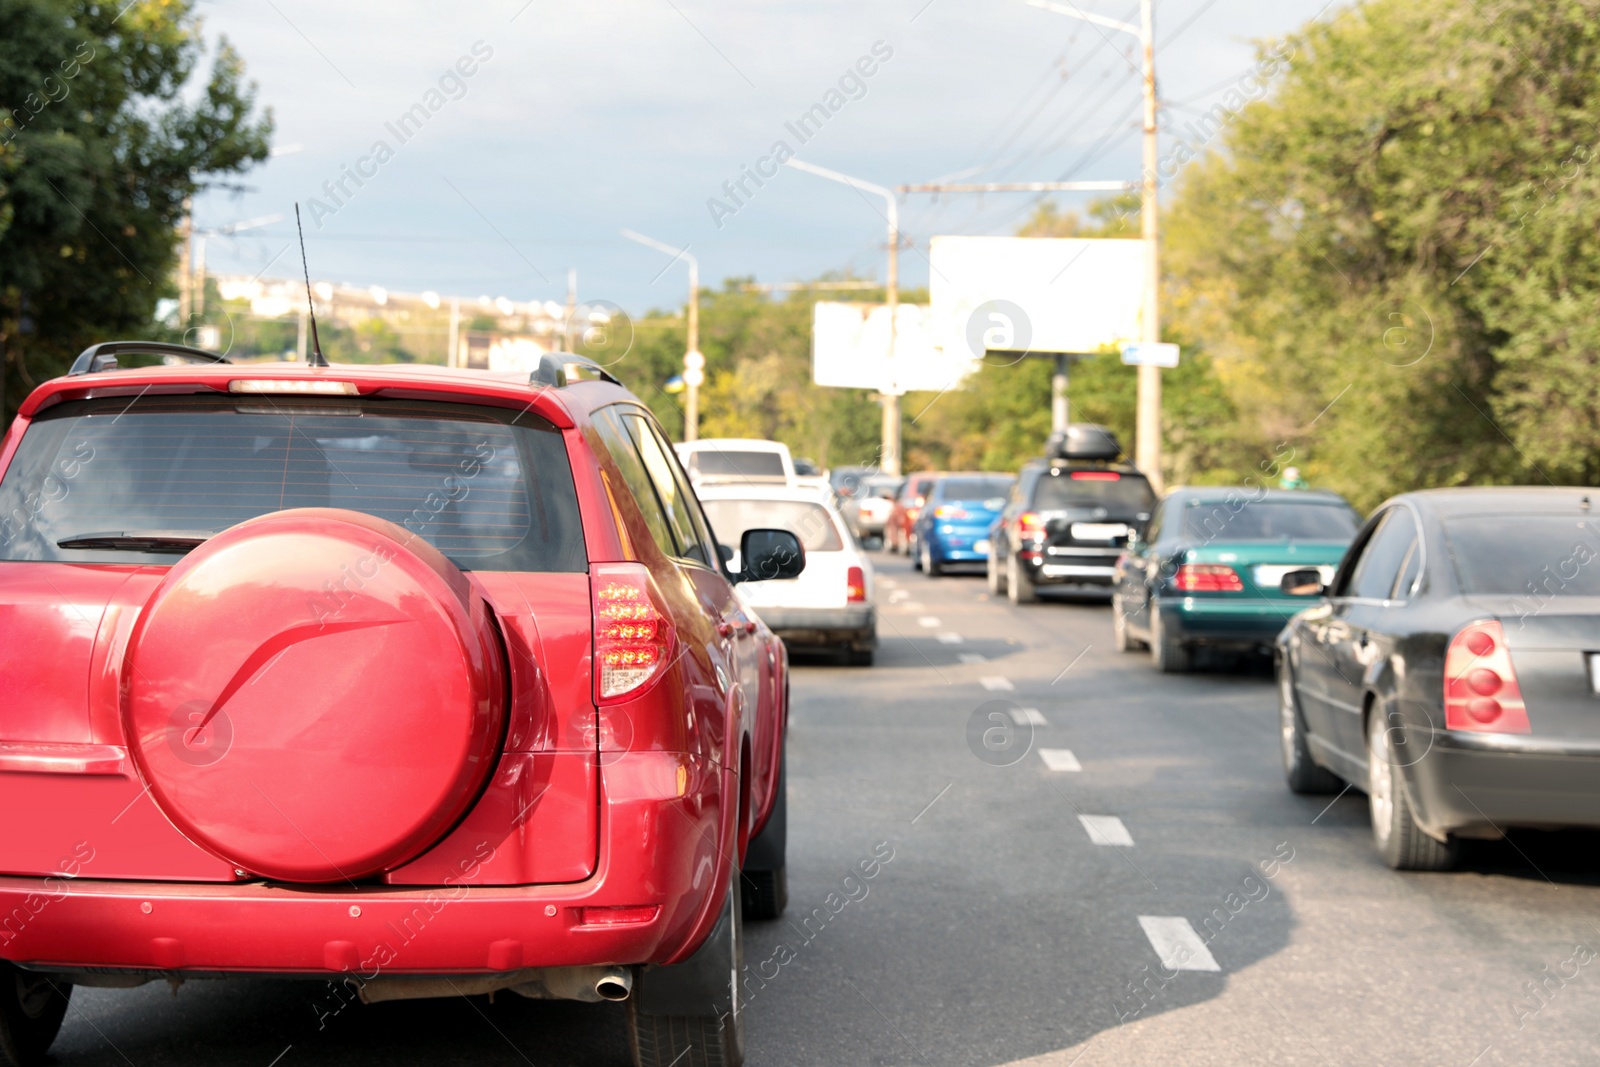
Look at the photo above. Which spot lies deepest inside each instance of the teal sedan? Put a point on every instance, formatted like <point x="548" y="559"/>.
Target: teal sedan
<point x="1208" y="572"/>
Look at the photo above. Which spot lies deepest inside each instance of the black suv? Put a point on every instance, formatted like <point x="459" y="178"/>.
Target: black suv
<point x="1069" y="516"/>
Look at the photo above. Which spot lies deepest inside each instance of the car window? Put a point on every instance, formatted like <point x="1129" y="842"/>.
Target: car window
<point x="719" y="463"/>
<point x="807" y="521"/>
<point x="1124" y="494"/>
<point x="1268" y="520"/>
<point x="1525" y="555"/>
<point x="675" y="503"/>
<point x="488" y="494"/>
<point x="618" y="442"/>
<point x="973" y="488"/>
<point x="1153" y="532"/>
<point x="1408" y="572"/>
<point x="1378" y="568"/>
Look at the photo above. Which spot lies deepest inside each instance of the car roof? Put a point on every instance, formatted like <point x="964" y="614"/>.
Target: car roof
<point x="561" y="405"/>
<point x="1499" y="499"/>
<point x="723" y="444"/>
<point x="770" y="491"/>
<point x="1206" y="494"/>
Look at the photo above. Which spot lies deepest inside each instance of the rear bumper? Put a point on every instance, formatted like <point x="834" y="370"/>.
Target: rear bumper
<point x="1246" y="621"/>
<point x="856" y="625"/>
<point x="256" y="928"/>
<point x="1479" y="786"/>
<point x="1075" y="569"/>
<point x="960" y="545"/>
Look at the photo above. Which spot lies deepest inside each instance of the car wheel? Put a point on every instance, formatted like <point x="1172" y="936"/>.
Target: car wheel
<point x="996" y="578"/>
<point x="1120" y="636"/>
<point x="929" y="567"/>
<point x="1302" y="774"/>
<point x="914" y="552"/>
<point x="31" y="1009"/>
<point x="1018" y="587"/>
<point x="690" y="1014"/>
<point x="765" y="878"/>
<point x="861" y="657"/>
<point x="1171" y="655"/>
<point x="1400" y="840"/>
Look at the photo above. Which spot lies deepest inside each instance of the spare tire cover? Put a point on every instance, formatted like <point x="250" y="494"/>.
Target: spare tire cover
<point x="314" y="695"/>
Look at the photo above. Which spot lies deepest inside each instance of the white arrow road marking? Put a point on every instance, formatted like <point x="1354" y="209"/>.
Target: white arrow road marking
<point x="1028" y="717"/>
<point x="1060" y="759"/>
<point x="929" y="622"/>
<point x="949" y="639"/>
<point x="1175" y="941"/>
<point x="1106" y="830"/>
<point x="996" y="684"/>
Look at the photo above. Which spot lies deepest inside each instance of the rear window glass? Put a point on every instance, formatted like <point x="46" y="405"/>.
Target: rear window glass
<point x="1525" y="555"/>
<point x="1124" y="494"/>
<point x="1265" y="520"/>
<point x="974" y="488"/>
<point x="738" y="464"/>
<point x="491" y="491"/>
<point x="809" y="522"/>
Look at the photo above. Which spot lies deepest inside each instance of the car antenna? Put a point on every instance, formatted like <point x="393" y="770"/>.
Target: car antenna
<point x="315" y="358"/>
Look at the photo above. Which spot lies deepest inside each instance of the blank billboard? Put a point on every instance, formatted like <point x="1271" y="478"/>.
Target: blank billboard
<point x="850" y="350"/>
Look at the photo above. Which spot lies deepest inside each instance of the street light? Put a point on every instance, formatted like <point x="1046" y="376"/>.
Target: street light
<point x="890" y="460"/>
<point x="694" y="364"/>
<point x="1148" y="443"/>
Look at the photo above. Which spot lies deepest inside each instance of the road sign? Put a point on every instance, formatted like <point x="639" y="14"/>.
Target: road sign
<point x="1150" y="354"/>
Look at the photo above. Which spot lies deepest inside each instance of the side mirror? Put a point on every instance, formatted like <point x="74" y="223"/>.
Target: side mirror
<point x="1307" y="582"/>
<point x="770" y="555"/>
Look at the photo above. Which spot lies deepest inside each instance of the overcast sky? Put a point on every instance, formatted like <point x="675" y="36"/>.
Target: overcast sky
<point x="579" y="119"/>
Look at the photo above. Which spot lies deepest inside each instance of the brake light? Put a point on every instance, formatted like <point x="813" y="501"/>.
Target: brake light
<point x="1207" y="578"/>
<point x="1030" y="524"/>
<point x="949" y="511"/>
<point x="619" y="915"/>
<point x="856" y="580"/>
<point x="1480" y="686"/>
<point x="1096" y="476"/>
<point x="632" y="636"/>
<point x="912" y="512"/>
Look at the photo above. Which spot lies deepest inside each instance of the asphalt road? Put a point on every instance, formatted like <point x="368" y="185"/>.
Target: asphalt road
<point x="1001" y="932"/>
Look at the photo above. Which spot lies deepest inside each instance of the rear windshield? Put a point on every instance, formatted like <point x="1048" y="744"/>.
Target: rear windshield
<point x="1268" y="520"/>
<point x="1525" y="555"/>
<point x="974" y="488"/>
<point x="738" y="464"/>
<point x="809" y="522"/>
<point x="491" y="490"/>
<point x="1122" y="494"/>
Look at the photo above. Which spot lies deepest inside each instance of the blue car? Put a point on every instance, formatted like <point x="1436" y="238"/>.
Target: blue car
<point x="953" y="527"/>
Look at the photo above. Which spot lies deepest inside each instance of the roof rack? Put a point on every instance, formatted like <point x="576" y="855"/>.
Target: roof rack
<point x="103" y="356"/>
<point x="559" y="369"/>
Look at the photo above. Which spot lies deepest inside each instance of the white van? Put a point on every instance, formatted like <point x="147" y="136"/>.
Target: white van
<point x="736" y="459"/>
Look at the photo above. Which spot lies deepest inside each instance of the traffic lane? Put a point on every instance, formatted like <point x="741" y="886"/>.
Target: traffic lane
<point x="1373" y="952"/>
<point x="999" y="930"/>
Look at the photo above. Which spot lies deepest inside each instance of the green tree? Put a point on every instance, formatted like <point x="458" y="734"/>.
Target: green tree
<point x="102" y="140"/>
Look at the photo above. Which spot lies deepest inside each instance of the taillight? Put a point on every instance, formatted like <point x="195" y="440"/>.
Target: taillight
<point x="856" y="580"/>
<point x="632" y="636"/>
<point x="1207" y="578"/>
<point x="1030" y="524"/>
<point x="949" y="511"/>
<point x="1096" y="476"/>
<point x="1480" y="686"/>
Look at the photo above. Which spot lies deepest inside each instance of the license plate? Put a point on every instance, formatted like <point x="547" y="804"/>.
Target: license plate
<point x="1098" y="531"/>
<point x="1270" y="575"/>
<point x="981" y="545"/>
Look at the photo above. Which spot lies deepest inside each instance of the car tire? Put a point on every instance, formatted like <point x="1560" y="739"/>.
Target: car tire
<point x="1171" y="655"/>
<point x="1018" y="587"/>
<point x="995" y="576"/>
<point x="690" y="1014"/>
<point x="860" y="657"/>
<point x="765" y="877"/>
<point x="1400" y="841"/>
<point x="1121" y="637"/>
<point x="32" y="1007"/>
<point x="1302" y="774"/>
<point x="929" y="567"/>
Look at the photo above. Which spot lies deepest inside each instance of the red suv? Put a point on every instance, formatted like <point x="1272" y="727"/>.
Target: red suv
<point x="418" y="682"/>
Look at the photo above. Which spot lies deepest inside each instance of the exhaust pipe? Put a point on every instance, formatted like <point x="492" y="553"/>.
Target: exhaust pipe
<point x="616" y="984"/>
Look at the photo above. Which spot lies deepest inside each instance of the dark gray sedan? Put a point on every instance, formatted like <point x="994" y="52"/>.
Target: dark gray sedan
<point x="1452" y="669"/>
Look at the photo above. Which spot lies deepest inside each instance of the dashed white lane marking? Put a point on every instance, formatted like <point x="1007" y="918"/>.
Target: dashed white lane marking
<point x="972" y="657"/>
<point x="1060" y="759"/>
<point x="1028" y="717"/>
<point x="1175" y="941"/>
<point x="996" y="684"/>
<point x="911" y="605"/>
<point x="929" y="622"/>
<point x="949" y="639"/>
<point x="1106" y="830"/>
<point x="889" y="582"/>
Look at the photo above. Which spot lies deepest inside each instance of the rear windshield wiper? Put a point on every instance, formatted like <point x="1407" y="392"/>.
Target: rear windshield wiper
<point x="165" y="541"/>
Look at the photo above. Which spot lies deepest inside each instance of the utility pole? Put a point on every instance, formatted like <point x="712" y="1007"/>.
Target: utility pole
<point x="572" y="307"/>
<point x="889" y="462"/>
<point x="694" y="363"/>
<point x="1148" y="443"/>
<point x="185" y="277"/>
<point x="452" y="357"/>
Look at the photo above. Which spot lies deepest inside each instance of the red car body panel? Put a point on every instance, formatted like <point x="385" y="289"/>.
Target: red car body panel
<point x="627" y="804"/>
